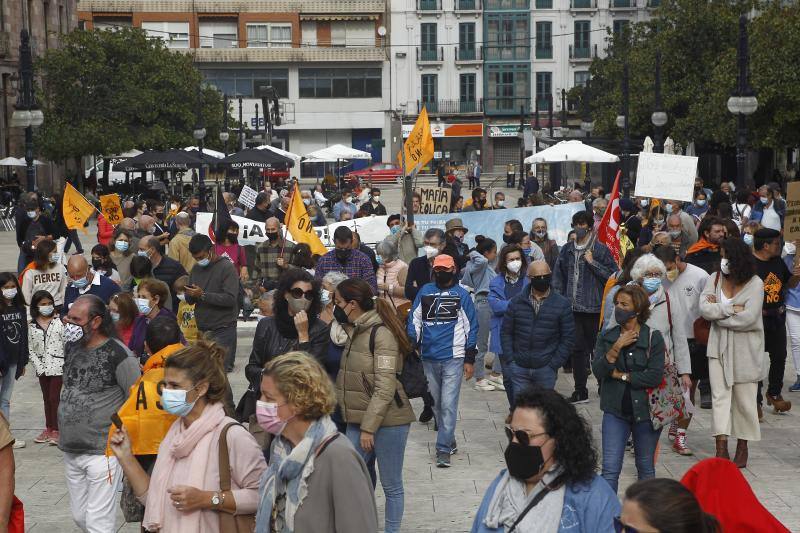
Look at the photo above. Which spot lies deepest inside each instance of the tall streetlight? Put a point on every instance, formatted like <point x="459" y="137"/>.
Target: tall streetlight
<point x="624" y="123"/>
<point x="224" y="136"/>
<point x="522" y="147"/>
<point x="743" y="102"/>
<point x="587" y="126"/>
<point x="659" y="116"/>
<point x="555" y="168"/>
<point x="199" y="134"/>
<point x="26" y="111"/>
<point x="241" y="139"/>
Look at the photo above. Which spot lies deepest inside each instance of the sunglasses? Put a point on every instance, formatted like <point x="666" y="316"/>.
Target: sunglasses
<point x="298" y="293"/>
<point x="522" y="436"/>
<point x="619" y="527"/>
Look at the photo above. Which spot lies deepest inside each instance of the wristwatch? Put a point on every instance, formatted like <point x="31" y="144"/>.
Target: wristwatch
<point x="624" y="377"/>
<point x="216" y="500"/>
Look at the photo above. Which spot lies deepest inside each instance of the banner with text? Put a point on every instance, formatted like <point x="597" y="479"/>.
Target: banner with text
<point x="666" y="176"/>
<point x="434" y="200"/>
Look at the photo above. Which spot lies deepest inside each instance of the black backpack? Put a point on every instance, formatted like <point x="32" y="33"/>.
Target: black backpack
<point x="412" y="378"/>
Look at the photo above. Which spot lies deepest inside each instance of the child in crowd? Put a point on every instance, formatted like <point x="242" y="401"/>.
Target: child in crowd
<point x="185" y="311"/>
<point x="46" y="348"/>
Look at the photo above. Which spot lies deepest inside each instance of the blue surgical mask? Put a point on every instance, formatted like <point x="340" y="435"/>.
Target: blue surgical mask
<point x="114" y="316"/>
<point x="651" y="285"/>
<point x="325" y="296"/>
<point x="121" y="246"/>
<point x="204" y="262"/>
<point x="174" y="402"/>
<point x="142" y="253"/>
<point x="748" y="239"/>
<point x="668" y="208"/>
<point x="31" y="214"/>
<point x="395" y="229"/>
<point x="379" y="259"/>
<point x="701" y="203"/>
<point x="80" y="283"/>
<point x="143" y="304"/>
<point x="764" y="200"/>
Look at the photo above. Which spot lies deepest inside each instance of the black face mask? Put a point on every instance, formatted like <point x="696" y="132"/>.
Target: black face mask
<point x="343" y="255"/>
<point x="272" y="236"/>
<point x="541" y="283"/>
<point x="97" y="264"/>
<point x="580" y="233"/>
<point x="340" y="315"/>
<point x="444" y="278"/>
<point x="523" y="462"/>
<point x="233" y="237"/>
<point x="506" y="238"/>
<point x="623" y="315"/>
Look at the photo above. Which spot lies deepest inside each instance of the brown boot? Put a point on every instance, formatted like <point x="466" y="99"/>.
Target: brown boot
<point x="722" y="447"/>
<point x="778" y="403"/>
<point x="740" y="459"/>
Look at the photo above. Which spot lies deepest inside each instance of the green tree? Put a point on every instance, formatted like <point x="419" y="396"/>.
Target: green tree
<point x="105" y="92"/>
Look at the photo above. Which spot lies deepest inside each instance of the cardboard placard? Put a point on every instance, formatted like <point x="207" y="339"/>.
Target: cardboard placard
<point x="247" y="197"/>
<point x="666" y="176"/>
<point x="435" y="200"/>
<point x="791" y="223"/>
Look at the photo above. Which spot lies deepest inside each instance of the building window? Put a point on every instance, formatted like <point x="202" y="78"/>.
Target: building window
<point x="218" y="34"/>
<point x="621" y="26"/>
<point x="507" y="36"/>
<point x="544" y="89"/>
<point x="507" y="88"/>
<point x="430" y="84"/>
<point x="582" y="38"/>
<point x="352" y="33"/>
<point x="174" y="34"/>
<point x="581" y="78"/>
<point x="466" y="40"/>
<point x="340" y="82"/>
<point x="544" y="40"/>
<point x="60" y="18"/>
<point x="492" y="5"/>
<point x="248" y="82"/>
<point x="269" y="35"/>
<point x="428" y="42"/>
<point x="467" y="99"/>
<point x="544" y="4"/>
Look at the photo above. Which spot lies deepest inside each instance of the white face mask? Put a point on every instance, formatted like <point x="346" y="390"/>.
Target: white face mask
<point x="9" y="294"/>
<point x="514" y="265"/>
<point x="501" y="203"/>
<point x="431" y="252"/>
<point x="46" y="310"/>
<point x="725" y="266"/>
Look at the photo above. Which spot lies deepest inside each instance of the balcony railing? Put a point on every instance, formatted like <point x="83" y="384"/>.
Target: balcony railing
<point x="468" y="5"/>
<point x="582" y="53"/>
<point x="506" y="53"/>
<point x="544" y="53"/>
<point x="429" y="5"/>
<point x="468" y="55"/>
<point x="622" y="4"/>
<point x="583" y="4"/>
<point x="500" y="105"/>
<point x="451" y="107"/>
<point x="430" y="55"/>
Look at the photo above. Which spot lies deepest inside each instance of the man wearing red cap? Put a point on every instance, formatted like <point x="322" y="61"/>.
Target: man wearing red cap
<point x="443" y="326"/>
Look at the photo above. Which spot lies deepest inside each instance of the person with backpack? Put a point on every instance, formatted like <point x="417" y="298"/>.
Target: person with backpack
<point x="374" y="404"/>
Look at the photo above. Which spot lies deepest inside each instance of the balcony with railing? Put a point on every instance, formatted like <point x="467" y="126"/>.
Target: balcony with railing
<point x="622" y="5"/>
<point x="582" y="5"/>
<point x="506" y="53"/>
<point x="430" y="56"/>
<point x="451" y="107"/>
<point x="545" y="52"/>
<point x="468" y="6"/>
<point x="429" y="6"/>
<point x="582" y="53"/>
<point x="501" y="105"/>
<point x="473" y="54"/>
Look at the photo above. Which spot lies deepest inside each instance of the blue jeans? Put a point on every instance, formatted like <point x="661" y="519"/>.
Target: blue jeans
<point x="615" y="435"/>
<point x="389" y="450"/>
<point x="506" y="365"/>
<point x="484" y="313"/>
<point x="6" y="387"/>
<point x="525" y="378"/>
<point x="444" y="383"/>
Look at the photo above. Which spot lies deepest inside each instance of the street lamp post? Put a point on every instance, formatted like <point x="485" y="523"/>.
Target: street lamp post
<point x="659" y="117"/>
<point x="624" y="123"/>
<point x="587" y="125"/>
<point x="522" y="147"/>
<point x="26" y="111"/>
<point x="555" y="168"/>
<point x="224" y="136"/>
<point x="199" y="134"/>
<point x="241" y="138"/>
<point x="743" y="102"/>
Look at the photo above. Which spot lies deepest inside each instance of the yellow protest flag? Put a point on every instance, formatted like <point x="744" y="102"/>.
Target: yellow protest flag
<point x="418" y="148"/>
<point x="111" y="207"/>
<point x="299" y="224"/>
<point x="76" y="208"/>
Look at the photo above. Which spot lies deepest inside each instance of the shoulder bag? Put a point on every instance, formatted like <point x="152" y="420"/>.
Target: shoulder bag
<point x="229" y="523"/>
<point x="702" y="327"/>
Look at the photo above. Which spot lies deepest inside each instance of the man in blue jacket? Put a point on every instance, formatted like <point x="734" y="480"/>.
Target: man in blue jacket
<point x="538" y="332"/>
<point x="443" y="326"/>
<point x="582" y="269"/>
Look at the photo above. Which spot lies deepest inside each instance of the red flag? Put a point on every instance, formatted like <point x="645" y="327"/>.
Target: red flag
<point x="608" y="230"/>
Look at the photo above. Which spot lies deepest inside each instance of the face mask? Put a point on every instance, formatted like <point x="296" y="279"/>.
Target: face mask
<point x="623" y="315"/>
<point x="346" y="199"/>
<point x="644" y="203"/>
<point x="523" y="462"/>
<point x="580" y="233"/>
<point x="501" y="203"/>
<point x="114" y="316"/>
<point x="658" y="221"/>
<point x="725" y="266"/>
<point x="514" y="266"/>
<point x="443" y="278"/>
<point x="143" y="304"/>
<point x="340" y="316"/>
<point x="379" y="260"/>
<point x="394" y="230"/>
<point x="506" y="238"/>
<point x="651" y="285"/>
<point x="674" y="234"/>
<point x="325" y="296"/>
<point x="298" y="304"/>
<point x="72" y="332"/>
<point x="97" y="264"/>
<point x="55" y="257"/>
<point x="142" y="253"/>
<point x="46" y="310"/>
<point x="789" y="248"/>
<point x="233" y="237"/>
<point x="9" y="293"/>
<point x="540" y="235"/>
<point x="668" y="207"/>
<point x="194" y="210"/>
<point x="267" y="417"/>
<point x="181" y="297"/>
<point x="431" y="252"/>
<point x="673" y="274"/>
<point x="307" y="201"/>
<point x="748" y="239"/>
<point x="174" y="402"/>
<point x="764" y="200"/>
<point x="173" y="207"/>
<point x="80" y="283"/>
<point x="204" y="262"/>
<point x="701" y="203"/>
<point x="121" y="246"/>
<point x="31" y="214"/>
<point x="527" y="252"/>
<point x="272" y="236"/>
<point x="376" y="199"/>
<point x="343" y="255"/>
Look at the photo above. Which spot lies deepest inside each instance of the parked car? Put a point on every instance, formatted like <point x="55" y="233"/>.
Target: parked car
<point x="378" y="173"/>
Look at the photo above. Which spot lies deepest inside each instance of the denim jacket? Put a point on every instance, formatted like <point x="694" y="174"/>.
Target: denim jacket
<point x="581" y="282"/>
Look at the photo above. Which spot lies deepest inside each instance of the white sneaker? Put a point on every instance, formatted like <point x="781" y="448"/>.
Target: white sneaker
<point x="484" y="385"/>
<point x="497" y="381"/>
<point x="19" y="444"/>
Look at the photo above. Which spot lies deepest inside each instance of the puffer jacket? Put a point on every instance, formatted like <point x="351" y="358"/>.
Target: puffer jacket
<point x="46" y="348"/>
<point x="395" y="274"/>
<point x="367" y="382"/>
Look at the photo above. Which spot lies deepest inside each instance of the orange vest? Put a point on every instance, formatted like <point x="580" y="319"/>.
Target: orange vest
<point x="142" y="415"/>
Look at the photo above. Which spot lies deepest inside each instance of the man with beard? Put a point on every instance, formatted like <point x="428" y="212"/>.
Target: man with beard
<point x="272" y="255"/>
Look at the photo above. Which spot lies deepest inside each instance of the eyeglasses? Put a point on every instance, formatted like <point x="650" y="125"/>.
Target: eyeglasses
<point x="652" y="275"/>
<point x="619" y="527"/>
<point x="298" y="293"/>
<point x="522" y="436"/>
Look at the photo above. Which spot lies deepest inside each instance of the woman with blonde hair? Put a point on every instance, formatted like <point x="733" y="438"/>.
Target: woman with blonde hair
<point x="185" y="491"/>
<point x="316" y="482"/>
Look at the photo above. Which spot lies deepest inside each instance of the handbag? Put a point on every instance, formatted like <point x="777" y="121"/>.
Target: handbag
<point x="229" y="523"/>
<point x="702" y="327"/>
<point x="666" y="400"/>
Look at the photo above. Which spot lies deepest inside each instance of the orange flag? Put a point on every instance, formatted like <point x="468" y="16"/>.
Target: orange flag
<point x="76" y="208"/>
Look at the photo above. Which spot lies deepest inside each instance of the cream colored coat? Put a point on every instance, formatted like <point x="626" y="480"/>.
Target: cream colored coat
<point x="736" y="339"/>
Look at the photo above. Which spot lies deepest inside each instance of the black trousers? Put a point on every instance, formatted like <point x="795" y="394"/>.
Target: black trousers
<point x="586" y="325"/>
<point x="510" y="178"/>
<point x="775" y="345"/>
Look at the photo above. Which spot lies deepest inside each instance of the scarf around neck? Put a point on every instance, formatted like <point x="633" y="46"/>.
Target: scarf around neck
<point x="510" y="499"/>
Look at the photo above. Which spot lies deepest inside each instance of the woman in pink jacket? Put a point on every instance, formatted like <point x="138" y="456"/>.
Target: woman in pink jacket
<point x="391" y="274"/>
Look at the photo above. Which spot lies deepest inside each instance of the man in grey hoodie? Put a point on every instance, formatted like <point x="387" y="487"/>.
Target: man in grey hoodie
<point x="214" y="289"/>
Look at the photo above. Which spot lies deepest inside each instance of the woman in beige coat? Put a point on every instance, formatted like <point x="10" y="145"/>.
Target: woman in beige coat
<point x="373" y="403"/>
<point x="732" y="302"/>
